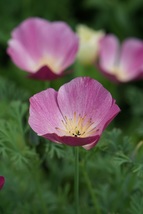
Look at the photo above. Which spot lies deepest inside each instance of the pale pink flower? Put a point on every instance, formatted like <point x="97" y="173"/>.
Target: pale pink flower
<point x="121" y="63"/>
<point x="42" y="48"/>
<point x="76" y="115"/>
<point x="88" y="44"/>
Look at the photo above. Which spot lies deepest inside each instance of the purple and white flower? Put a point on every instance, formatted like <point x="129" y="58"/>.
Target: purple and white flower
<point x="42" y="48"/>
<point x="121" y="63"/>
<point x="75" y="115"/>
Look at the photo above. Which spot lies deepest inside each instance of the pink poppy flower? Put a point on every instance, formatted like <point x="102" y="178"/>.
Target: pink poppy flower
<point x="76" y="115"/>
<point x="121" y="64"/>
<point x="2" y="181"/>
<point x="42" y="48"/>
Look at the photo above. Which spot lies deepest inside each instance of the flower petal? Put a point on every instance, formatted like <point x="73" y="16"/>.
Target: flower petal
<point x="45" y="115"/>
<point x="25" y="45"/>
<point x="113" y="111"/>
<point x="88" y="44"/>
<point x="36" y="43"/>
<point x="63" y="43"/>
<point x="71" y="141"/>
<point x="45" y="73"/>
<point x="2" y="181"/>
<point x="108" y="52"/>
<point x="91" y="145"/>
<point x="84" y="96"/>
<point x="132" y="58"/>
<point x="20" y="56"/>
<point x="111" y="114"/>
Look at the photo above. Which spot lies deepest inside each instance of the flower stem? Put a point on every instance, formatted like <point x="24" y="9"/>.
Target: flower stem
<point x="76" y="180"/>
<point x="90" y="188"/>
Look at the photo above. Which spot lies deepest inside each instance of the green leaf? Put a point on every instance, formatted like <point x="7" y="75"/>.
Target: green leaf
<point x="120" y="158"/>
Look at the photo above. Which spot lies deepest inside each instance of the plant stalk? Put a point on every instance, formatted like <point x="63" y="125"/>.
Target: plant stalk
<point x="91" y="191"/>
<point x="76" y="180"/>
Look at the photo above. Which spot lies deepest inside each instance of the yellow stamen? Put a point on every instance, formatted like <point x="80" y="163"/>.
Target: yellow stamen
<point x="77" y="126"/>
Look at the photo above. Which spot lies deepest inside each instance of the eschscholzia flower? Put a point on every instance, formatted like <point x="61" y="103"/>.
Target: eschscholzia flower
<point x="121" y="64"/>
<point x="76" y="115"/>
<point x="88" y="44"/>
<point x="2" y="181"/>
<point x="42" y="48"/>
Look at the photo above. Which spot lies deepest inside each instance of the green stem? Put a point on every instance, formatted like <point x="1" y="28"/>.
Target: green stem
<point x="90" y="188"/>
<point x="76" y="180"/>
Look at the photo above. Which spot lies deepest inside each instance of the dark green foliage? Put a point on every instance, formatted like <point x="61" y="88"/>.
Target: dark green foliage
<point x="39" y="173"/>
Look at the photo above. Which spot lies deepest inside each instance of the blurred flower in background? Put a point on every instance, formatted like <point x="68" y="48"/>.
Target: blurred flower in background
<point x="121" y="64"/>
<point x="42" y="48"/>
<point x="2" y="181"/>
<point x="76" y="115"/>
<point x="88" y="44"/>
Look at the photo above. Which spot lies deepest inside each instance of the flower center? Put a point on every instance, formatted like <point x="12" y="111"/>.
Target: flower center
<point x="52" y="63"/>
<point x="77" y="126"/>
<point x="120" y="74"/>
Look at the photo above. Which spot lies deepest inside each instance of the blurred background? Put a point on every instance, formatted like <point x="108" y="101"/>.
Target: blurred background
<point x="39" y="175"/>
<point x="122" y="18"/>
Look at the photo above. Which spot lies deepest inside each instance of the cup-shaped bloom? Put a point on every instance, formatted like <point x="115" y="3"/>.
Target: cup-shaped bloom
<point x="88" y="44"/>
<point x="76" y="115"/>
<point x="121" y="63"/>
<point x="42" y="48"/>
<point x="2" y="181"/>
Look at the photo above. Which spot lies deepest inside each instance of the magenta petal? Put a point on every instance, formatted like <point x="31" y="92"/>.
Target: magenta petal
<point x="25" y="45"/>
<point x="63" y="43"/>
<point x="108" y="52"/>
<point x="132" y="57"/>
<point x="91" y="145"/>
<point x="45" y="115"/>
<point x="72" y="141"/>
<point x="113" y="111"/>
<point x="20" y="56"/>
<point x="45" y="73"/>
<point x="84" y="96"/>
<point x="2" y="181"/>
<point x="30" y="34"/>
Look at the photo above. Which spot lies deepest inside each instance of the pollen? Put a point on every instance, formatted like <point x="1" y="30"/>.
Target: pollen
<point x="77" y="126"/>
